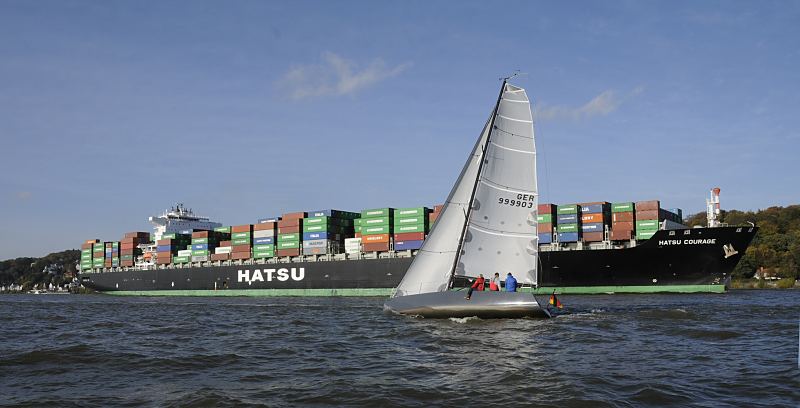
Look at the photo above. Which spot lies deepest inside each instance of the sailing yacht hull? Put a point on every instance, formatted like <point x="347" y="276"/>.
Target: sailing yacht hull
<point x="484" y="304"/>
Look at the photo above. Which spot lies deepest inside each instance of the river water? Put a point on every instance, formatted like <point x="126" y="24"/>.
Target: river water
<point x="735" y="349"/>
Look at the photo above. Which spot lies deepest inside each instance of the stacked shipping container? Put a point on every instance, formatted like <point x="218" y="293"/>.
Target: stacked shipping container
<point x="544" y="222"/>
<point x="324" y="231"/>
<point x="622" y="221"/>
<point x="568" y="222"/>
<point x="129" y="247"/>
<point x="410" y="227"/>
<point x="290" y="234"/>
<point x="377" y="225"/>
<point x="241" y="241"/>
<point x="594" y="219"/>
<point x="168" y="246"/>
<point x="225" y="247"/>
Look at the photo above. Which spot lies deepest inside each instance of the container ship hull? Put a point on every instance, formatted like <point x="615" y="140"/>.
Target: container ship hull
<point x="689" y="260"/>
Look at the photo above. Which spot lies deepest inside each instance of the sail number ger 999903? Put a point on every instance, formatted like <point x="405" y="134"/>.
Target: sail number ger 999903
<point x="522" y="200"/>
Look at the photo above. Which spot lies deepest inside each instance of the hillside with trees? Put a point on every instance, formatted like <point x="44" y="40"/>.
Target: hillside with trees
<point x="56" y="268"/>
<point x="776" y="247"/>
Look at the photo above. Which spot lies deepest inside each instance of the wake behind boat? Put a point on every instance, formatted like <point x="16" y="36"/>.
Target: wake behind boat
<point x="487" y="225"/>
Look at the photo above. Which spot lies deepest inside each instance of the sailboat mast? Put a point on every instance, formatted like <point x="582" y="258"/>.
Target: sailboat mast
<point x="477" y="179"/>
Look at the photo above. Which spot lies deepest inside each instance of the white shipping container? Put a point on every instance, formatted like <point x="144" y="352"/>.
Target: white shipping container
<point x="352" y="250"/>
<point x="202" y="258"/>
<point x="223" y="250"/>
<point x="315" y="243"/>
<point x="185" y="252"/>
<point x="264" y="233"/>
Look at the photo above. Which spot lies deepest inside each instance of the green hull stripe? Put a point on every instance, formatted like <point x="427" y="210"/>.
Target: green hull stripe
<point x="592" y="290"/>
<point x="383" y="292"/>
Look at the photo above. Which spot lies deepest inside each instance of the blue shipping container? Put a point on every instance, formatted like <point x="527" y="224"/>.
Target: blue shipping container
<point x="592" y="208"/>
<point x="164" y="248"/>
<point x="592" y="227"/>
<point x="568" y="237"/>
<point x="308" y="236"/>
<point x="568" y="218"/>
<point x="405" y="245"/>
<point x="545" y="238"/>
<point x="200" y="247"/>
<point x="263" y="241"/>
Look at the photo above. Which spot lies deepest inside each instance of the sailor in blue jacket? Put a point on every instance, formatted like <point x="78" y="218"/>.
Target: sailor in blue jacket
<point x="511" y="283"/>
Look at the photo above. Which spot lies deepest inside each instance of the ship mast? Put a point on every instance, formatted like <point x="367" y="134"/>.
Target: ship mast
<point x="712" y="208"/>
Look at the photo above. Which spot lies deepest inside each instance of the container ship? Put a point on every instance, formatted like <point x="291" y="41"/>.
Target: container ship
<point x="595" y="247"/>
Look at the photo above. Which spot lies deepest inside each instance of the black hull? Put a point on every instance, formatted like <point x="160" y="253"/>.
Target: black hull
<point x="670" y="258"/>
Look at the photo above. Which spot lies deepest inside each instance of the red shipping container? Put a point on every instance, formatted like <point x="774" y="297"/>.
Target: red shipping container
<point x="357" y="235"/>
<point x="242" y="228"/>
<point x="621" y="235"/>
<point x="409" y="236"/>
<point x="294" y="215"/>
<point x="220" y="257"/>
<point x="240" y="248"/>
<point x="289" y="230"/>
<point x="225" y="243"/>
<point x="264" y="226"/>
<point x="648" y="205"/>
<point x="288" y="252"/>
<point x="126" y="263"/>
<point x="647" y="215"/>
<point x="126" y="245"/>
<point x="546" y="208"/>
<point x="622" y="226"/>
<point x="438" y="208"/>
<point x="240" y="255"/>
<point x="383" y="238"/>
<point x="164" y="242"/>
<point x="622" y="216"/>
<point x="126" y="251"/>
<point x="86" y="246"/>
<point x="294" y="222"/>
<point x="92" y="241"/>
<point x="592" y="236"/>
<point x="375" y="247"/>
<point x="200" y="234"/>
<point x="432" y="217"/>
<point x="544" y="227"/>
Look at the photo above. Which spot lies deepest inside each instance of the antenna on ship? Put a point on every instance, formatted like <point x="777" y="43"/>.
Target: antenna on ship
<point x="712" y="208"/>
<point x="515" y="74"/>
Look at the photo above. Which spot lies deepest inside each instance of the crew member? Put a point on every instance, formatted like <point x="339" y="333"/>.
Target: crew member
<point x="477" y="285"/>
<point x="511" y="283"/>
<point x="494" y="284"/>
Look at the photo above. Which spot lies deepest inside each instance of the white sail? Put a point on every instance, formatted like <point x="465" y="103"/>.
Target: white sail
<point x="501" y="235"/>
<point x="432" y="268"/>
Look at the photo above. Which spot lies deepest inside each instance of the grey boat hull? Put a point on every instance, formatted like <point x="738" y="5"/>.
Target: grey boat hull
<point x="483" y="304"/>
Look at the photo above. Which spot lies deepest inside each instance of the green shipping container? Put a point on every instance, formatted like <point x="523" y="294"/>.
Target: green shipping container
<point x="180" y="259"/>
<point x="169" y="236"/>
<point x="263" y="254"/>
<point x="288" y="244"/>
<point x="86" y="256"/>
<point x="357" y="222"/>
<point x="126" y="257"/>
<point x="375" y="221"/>
<point x="318" y="228"/>
<point x="357" y="229"/>
<point x="567" y="227"/>
<point x="200" y="252"/>
<point x="289" y="237"/>
<point x="199" y="240"/>
<point x="410" y="220"/>
<point x="567" y="209"/>
<point x="411" y="212"/>
<point x="376" y="229"/>
<point x="544" y="218"/>
<point x="264" y="247"/>
<point x="377" y="212"/>
<point x="622" y="207"/>
<point x="316" y="221"/>
<point x="647" y="225"/>
<point x="240" y="241"/>
<point x="410" y="228"/>
<point x="236" y="235"/>
<point x="223" y="229"/>
<point x="644" y="234"/>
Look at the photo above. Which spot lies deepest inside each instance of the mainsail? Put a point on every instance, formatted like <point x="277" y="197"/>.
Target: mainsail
<point x="488" y="223"/>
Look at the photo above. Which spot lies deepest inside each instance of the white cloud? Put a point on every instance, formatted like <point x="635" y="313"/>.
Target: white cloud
<point x="601" y="105"/>
<point x="335" y="75"/>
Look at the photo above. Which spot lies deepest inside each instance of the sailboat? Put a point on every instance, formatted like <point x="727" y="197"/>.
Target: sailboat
<point x="487" y="225"/>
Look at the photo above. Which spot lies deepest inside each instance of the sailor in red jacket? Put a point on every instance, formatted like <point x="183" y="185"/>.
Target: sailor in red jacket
<point x="477" y="285"/>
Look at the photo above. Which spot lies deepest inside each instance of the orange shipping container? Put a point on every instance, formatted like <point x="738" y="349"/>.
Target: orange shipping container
<point x="293" y="222"/>
<point x="409" y="236"/>
<point x="647" y="215"/>
<point x="621" y="235"/>
<point x="293" y="216"/>
<point x="622" y="226"/>
<point x="544" y="227"/>
<point x="592" y="218"/>
<point x="648" y="205"/>
<point x="288" y="252"/>
<point x="375" y="238"/>
<point x="200" y="234"/>
<point x="242" y="228"/>
<point x="289" y="230"/>
<point x="592" y="236"/>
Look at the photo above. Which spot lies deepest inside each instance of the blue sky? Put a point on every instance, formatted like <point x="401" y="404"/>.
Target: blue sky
<point x="112" y="111"/>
